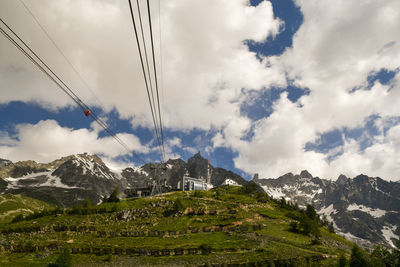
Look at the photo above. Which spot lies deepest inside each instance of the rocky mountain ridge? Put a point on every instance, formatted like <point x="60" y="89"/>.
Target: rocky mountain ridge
<point x="365" y="210"/>
<point x="63" y="182"/>
<point x="173" y="170"/>
<point x="70" y="180"/>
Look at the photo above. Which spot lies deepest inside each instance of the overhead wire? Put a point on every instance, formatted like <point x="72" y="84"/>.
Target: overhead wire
<point x="60" y="51"/>
<point x="161" y="59"/>
<point x="145" y="77"/>
<point x="38" y="65"/>
<point x="155" y="74"/>
<point x="160" y="140"/>
<point x="93" y="115"/>
<point x="59" y="82"/>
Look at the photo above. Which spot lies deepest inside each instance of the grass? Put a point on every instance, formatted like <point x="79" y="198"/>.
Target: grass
<point x="12" y="205"/>
<point x="226" y="208"/>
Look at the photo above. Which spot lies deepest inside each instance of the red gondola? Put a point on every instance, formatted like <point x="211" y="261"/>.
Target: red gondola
<point x="87" y="112"/>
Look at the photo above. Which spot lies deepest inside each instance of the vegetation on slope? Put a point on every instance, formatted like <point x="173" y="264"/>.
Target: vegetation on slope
<point x="228" y="225"/>
<point x="19" y="205"/>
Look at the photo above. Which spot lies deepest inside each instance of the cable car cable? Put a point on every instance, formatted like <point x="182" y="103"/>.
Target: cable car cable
<point x="151" y="84"/>
<point x="147" y="63"/>
<point x="144" y="74"/>
<point x="155" y="74"/>
<point x="60" y="51"/>
<point x="81" y="103"/>
<point x="39" y="66"/>
<point x="94" y="116"/>
<point x="69" y="92"/>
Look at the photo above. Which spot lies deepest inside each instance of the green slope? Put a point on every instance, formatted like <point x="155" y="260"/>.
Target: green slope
<point x="12" y="205"/>
<point x="223" y="226"/>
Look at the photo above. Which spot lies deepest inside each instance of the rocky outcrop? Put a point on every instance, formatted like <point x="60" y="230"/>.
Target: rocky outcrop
<point x="4" y="163"/>
<point x="64" y="182"/>
<point x="69" y="180"/>
<point x="172" y="171"/>
<point x="364" y="209"/>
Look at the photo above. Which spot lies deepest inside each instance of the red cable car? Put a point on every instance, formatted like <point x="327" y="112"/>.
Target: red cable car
<point x="87" y="112"/>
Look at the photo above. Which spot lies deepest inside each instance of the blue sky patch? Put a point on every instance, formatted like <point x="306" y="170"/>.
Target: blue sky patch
<point x="384" y="76"/>
<point x="290" y="14"/>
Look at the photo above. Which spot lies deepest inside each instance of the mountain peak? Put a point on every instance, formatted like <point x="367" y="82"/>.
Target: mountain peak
<point x="255" y="177"/>
<point x="197" y="155"/>
<point x="305" y="174"/>
<point x="4" y="162"/>
<point x="342" y="179"/>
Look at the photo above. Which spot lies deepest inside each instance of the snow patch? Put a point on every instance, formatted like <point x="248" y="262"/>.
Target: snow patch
<point x="92" y="167"/>
<point x="52" y="181"/>
<point x="140" y="170"/>
<point x="377" y="213"/>
<point x="388" y="234"/>
<point x="358" y="240"/>
<point x="274" y="192"/>
<point x="55" y="181"/>
<point x="13" y="182"/>
<point x="328" y="211"/>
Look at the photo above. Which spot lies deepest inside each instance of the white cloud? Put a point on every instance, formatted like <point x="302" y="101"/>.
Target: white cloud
<point x="46" y="141"/>
<point x="206" y="63"/>
<point x="207" y="70"/>
<point x="333" y="52"/>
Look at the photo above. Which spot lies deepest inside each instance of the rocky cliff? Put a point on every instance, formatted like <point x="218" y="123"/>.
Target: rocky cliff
<point x="364" y="209"/>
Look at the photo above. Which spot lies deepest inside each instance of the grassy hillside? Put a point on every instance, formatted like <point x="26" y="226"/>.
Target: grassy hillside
<point x="223" y="226"/>
<point x="12" y="205"/>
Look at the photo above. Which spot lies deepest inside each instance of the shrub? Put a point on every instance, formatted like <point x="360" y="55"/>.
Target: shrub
<point x="358" y="257"/>
<point x="198" y="193"/>
<point x="205" y="248"/>
<point x="251" y="188"/>
<point x="262" y="197"/>
<point x="331" y="229"/>
<point x="114" y="196"/>
<point x="76" y="209"/>
<point x="283" y="203"/>
<point x="176" y="207"/>
<point x="308" y="226"/>
<point x="381" y="256"/>
<point x="316" y="241"/>
<point x="293" y="227"/>
<point x="342" y="261"/>
<point x="18" y="218"/>
<point x="64" y="259"/>
<point x="311" y="213"/>
<point x="292" y="215"/>
<point x="87" y="203"/>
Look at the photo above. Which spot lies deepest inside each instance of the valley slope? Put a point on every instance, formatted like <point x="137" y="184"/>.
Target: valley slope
<point x="228" y="225"/>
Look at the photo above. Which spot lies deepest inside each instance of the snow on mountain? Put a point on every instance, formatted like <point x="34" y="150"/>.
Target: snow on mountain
<point x="364" y="209"/>
<point x="64" y="182"/>
<point x="388" y="233"/>
<point x="275" y="192"/>
<point x="36" y="180"/>
<point x="328" y="212"/>
<point x="377" y="213"/>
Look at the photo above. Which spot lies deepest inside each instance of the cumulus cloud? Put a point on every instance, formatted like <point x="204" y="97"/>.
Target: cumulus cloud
<point x="47" y="140"/>
<point x="208" y="71"/>
<point x="333" y="52"/>
<point x="206" y="62"/>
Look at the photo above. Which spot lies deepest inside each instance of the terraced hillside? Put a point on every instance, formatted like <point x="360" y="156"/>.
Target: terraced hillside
<point x="223" y="226"/>
<point x="12" y="205"/>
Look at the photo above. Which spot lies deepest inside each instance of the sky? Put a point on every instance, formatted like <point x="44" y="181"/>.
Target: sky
<point x="266" y="87"/>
